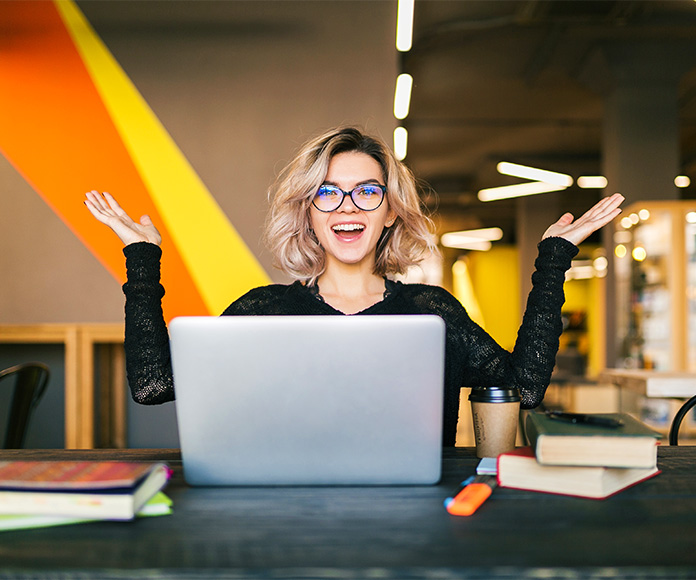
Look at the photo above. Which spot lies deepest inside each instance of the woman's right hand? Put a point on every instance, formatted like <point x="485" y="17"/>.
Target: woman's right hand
<point x="106" y="209"/>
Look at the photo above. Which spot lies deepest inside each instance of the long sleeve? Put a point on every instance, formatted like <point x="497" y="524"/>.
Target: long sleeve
<point x="534" y="355"/>
<point x="479" y="361"/>
<point x="473" y="358"/>
<point x="148" y="359"/>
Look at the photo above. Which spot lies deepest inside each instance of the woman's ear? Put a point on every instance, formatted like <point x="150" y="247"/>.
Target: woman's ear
<point x="391" y="218"/>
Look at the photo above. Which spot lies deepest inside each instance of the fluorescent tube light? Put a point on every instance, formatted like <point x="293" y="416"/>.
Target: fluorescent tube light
<point x="480" y="245"/>
<point x="580" y="273"/>
<point x="404" y="25"/>
<point x="592" y="181"/>
<point x="518" y="190"/>
<point x="402" y="95"/>
<point x="400" y="143"/>
<point x="535" y="174"/>
<point x="466" y="238"/>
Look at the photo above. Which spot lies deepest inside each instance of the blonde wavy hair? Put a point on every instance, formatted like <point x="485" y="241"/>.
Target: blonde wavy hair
<point x="289" y="235"/>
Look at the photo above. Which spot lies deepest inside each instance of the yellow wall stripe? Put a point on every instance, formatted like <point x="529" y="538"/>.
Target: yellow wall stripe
<point x="201" y="231"/>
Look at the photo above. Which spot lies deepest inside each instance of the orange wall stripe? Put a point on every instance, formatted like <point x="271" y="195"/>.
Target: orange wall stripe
<point x="200" y="229"/>
<point x="56" y="132"/>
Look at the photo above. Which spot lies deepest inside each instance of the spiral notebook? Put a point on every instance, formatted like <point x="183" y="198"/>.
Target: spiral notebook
<point x="314" y="400"/>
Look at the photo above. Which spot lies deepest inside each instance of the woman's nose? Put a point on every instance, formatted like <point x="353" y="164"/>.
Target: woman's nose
<point x="347" y="206"/>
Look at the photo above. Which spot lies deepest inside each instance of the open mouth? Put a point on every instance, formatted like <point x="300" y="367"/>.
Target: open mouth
<point x="348" y="231"/>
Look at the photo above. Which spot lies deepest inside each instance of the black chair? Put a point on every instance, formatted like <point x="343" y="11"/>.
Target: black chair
<point x="29" y="386"/>
<point x="676" y="422"/>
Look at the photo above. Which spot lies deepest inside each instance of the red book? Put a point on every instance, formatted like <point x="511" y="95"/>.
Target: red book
<point x="520" y="469"/>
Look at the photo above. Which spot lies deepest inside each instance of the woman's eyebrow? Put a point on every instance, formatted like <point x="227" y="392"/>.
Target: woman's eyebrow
<point x="365" y="181"/>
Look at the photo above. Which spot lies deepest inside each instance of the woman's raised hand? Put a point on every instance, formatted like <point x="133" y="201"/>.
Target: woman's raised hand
<point x="577" y="230"/>
<point x="106" y="209"/>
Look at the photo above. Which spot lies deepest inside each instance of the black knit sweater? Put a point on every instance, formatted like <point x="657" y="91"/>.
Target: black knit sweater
<point x="472" y="357"/>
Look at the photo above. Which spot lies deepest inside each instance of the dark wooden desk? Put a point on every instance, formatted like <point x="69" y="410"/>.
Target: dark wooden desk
<point x="648" y="531"/>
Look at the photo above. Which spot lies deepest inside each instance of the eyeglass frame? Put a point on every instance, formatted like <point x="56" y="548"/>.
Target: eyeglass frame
<point x="383" y="188"/>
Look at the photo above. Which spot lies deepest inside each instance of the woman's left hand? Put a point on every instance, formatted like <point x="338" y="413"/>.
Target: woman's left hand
<point x="577" y="230"/>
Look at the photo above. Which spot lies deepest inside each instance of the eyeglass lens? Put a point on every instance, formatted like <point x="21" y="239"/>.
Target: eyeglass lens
<point x="366" y="197"/>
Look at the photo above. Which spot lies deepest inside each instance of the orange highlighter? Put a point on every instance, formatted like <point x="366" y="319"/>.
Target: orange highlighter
<point x="473" y="492"/>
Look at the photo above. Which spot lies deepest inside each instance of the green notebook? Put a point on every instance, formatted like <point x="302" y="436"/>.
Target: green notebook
<point x="159" y="505"/>
<point x="557" y="442"/>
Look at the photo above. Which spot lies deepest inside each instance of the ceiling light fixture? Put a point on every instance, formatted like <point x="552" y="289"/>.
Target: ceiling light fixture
<point x="402" y="95"/>
<point x="479" y="245"/>
<point x="518" y="190"/>
<point x="479" y="239"/>
<point x="404" y="25"/>
<point x="580" y="270"/>
<point x="534" y="173"/>
<point x="682" y="181"/>
<point x="400" y="143"/>
<point x="592" y="181"/>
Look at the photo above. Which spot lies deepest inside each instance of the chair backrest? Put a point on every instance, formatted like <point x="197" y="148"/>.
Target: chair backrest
<point x="29" y="386"/>
<point x="676" y="422"/>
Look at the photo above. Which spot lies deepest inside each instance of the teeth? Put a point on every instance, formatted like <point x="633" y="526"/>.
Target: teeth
<point x="348" y="227"/>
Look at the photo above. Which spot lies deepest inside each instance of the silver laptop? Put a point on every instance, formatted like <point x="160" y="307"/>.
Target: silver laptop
<point x="309" y="400"/>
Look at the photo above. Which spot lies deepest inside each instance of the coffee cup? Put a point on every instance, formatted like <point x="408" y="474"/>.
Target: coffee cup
<point x="495" y="412"/>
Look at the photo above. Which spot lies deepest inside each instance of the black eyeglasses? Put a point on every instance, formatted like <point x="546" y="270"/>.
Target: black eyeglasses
<point x="367" y="197"/>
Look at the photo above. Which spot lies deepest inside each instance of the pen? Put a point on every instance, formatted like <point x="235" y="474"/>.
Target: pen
<point x="471" y="495"/>
<point x="585" y="419"/>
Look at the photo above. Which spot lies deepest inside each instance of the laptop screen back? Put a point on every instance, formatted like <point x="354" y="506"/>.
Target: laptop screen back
<point x="314" y="400"/>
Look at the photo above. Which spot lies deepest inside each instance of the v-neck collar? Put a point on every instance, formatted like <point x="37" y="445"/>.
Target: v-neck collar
<point x="390" y="287"/>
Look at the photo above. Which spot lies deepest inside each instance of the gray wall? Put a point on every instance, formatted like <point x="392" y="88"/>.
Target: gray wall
<point x="239" y="85"/>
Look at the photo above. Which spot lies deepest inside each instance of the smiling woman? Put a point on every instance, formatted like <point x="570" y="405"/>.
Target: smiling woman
<point x="345" y="218"/>
<point x="289" y="233"/>
<point x="349" y="234"/>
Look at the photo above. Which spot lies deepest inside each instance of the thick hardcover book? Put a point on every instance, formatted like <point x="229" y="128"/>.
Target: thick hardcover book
<point x="82" y="489"/>
<point x="556" y="442"/>
<point x="519" y="469"/>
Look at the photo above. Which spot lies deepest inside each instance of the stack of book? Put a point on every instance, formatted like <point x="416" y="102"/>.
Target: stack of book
<point x="49" y="493"/>
<point x="581" y="458"/>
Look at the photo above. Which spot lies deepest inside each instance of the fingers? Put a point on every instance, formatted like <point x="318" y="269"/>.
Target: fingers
<point x="593" y="219"/>
<point x="106" y="209"/>
<point x="113" y="204"/>
<point x="97" y="206"/>
<point x="95" y="211"/>
<point x="606" y="206"/>
<point x="98" y="202"/>
<point x="565" y="219"/>
<point x="603" y="211"/>
<point x="105" y="204"/>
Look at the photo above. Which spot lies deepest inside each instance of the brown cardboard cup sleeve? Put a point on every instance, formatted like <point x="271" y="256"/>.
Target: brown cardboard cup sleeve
<point x="495" y="414"/>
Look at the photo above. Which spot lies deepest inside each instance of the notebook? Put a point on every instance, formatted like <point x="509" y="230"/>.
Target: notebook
<point x="309" y="400"/>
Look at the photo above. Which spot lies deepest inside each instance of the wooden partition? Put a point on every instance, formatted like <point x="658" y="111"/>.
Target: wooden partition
<point x="87" y="347"/>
